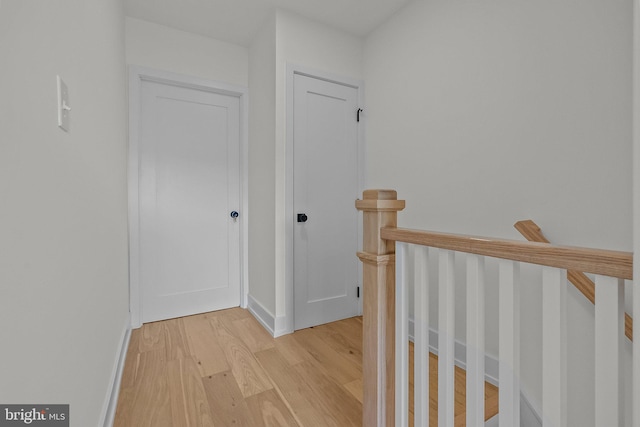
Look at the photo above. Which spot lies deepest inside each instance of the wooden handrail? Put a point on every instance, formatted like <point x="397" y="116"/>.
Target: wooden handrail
<point x="532" y="232"/>
<point x="597" y="261"/>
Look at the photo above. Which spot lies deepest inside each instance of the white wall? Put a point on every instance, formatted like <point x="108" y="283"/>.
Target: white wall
<point x="481" y="114"/>
<point x="309" y="43"/>
<point x="303" y="42"/>
<point x="262" y="87"/>
<point x="63" y="220"/>
<point x="165" y="48"/>
<point x="285" y="38"/>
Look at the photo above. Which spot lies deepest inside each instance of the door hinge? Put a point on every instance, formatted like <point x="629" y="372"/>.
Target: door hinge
<point x="358" y="291"/>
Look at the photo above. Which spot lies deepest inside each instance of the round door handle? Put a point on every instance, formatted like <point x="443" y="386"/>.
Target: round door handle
<point x="234" y="214"/>
<point x="302" y="217"/>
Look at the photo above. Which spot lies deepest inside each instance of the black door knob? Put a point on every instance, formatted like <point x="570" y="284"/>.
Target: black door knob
<point x="234" y="214"/>
<point x="302" y="217"/>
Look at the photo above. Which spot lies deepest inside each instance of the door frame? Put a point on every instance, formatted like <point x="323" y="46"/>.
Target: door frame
<point x="137" y="75"/>
<point x="288" y="324"/>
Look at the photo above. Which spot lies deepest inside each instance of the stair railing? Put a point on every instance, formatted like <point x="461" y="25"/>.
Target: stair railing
<point x="532" y="232"/>
<point x="386" y="316"/>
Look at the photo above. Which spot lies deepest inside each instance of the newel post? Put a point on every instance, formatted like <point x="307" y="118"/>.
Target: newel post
<point x="380" y="209"/>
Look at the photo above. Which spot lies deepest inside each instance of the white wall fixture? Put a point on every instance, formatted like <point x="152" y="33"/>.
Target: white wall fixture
<point x="63" y="105"/>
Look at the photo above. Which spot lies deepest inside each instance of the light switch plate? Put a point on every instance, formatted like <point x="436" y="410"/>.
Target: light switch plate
<point x="63" y="105"/>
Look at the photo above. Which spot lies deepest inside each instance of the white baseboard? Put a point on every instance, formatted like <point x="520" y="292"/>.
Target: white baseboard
<point x="529" y="411"/>
<point x="281" y="327"/>
<point x="111" y="402"/>
<point x="261" y="314"/>
<point x="274" y="325"/>
<point x="492" y="422"/>
<point x="528" y="416"/>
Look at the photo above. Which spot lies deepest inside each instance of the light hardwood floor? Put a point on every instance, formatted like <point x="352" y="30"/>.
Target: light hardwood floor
<point x="223" y="369"/>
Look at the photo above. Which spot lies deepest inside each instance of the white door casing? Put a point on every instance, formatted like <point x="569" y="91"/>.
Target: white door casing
<point x="187" y="146"/>
<point x="326" y="180"/>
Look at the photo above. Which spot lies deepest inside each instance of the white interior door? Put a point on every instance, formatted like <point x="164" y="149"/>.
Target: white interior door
<point x="325" y="186"/>
<point x="188" y="186"/>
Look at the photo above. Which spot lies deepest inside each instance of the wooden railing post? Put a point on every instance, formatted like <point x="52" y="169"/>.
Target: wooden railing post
<point x="380" y="208"/>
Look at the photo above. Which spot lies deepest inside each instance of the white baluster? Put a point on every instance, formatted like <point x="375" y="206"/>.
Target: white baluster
<point x="402" y="336"/>
<point x="609" y="347"/>
<point x="554" y="347"/>
<point x="509" y="344"/>
<point x="421" y="338"/>
<point x="446" y="339"/>
<point x="475" y="340"/>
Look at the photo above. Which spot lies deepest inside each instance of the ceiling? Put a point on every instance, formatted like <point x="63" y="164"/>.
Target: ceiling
<point x="237" y="21"/>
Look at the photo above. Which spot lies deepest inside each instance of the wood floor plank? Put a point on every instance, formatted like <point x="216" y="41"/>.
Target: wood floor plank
<point x="254" y="335"/>
<point x="248" y="373"/>
<point x="268" y="410"/>
<point x="295" y="390"/>
<point x="336" y="339"/>
<point x="291" y="349"/>
<point x="226" y="372"/>
<point x="335" y="364"/>
<point x="134" y="341"/>
<point x="227" y="404"/>
<point x="145" y="402"/>
<point x="151" y="337"/>
<point x="204" y="345"/>
<point x="350" y="329"/>
<point x="343" y="406"/>
<point x="356" y="388"/>
<point x="132" y="360"/>
<point x="130" y="371"/>
<point x="175" y="339"/>
<point x="189" y="403"/>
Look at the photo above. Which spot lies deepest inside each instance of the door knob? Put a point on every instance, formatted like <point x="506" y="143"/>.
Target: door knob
<point x="234" y="214"/>
<point x="302" y="217"/>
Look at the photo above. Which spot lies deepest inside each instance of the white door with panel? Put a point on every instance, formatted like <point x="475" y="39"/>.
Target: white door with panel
<point x="189" y="185"/>
<point x="326" y="183"/>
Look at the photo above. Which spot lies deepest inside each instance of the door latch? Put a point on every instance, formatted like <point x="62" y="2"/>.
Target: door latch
<point x="302" y="217"/>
